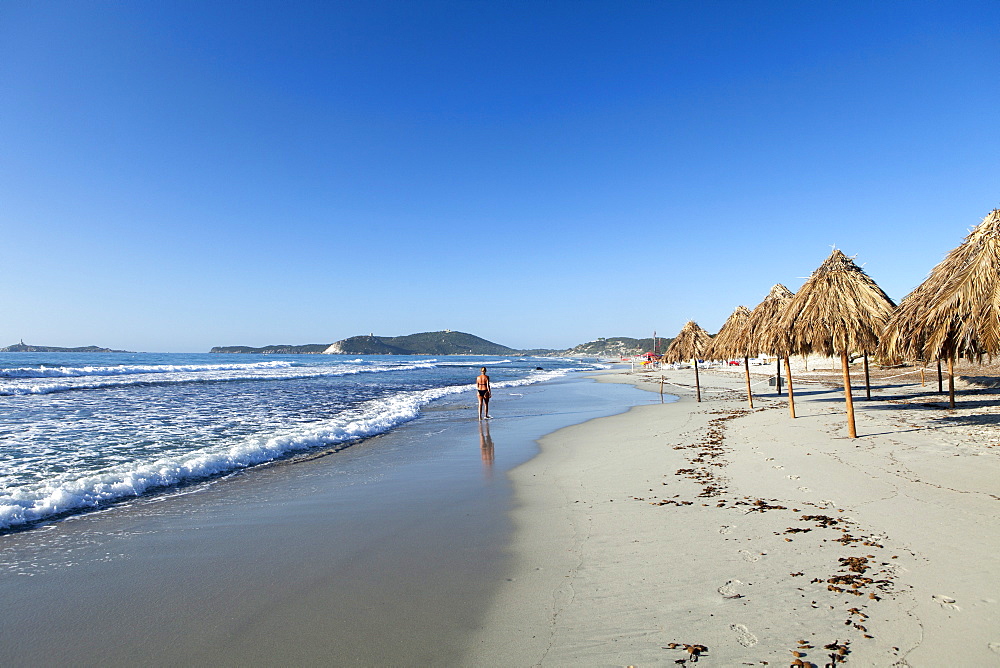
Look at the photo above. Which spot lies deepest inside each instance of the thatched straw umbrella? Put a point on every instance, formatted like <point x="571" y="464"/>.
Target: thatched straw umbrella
<point x="956" y="311"/>
<point x="725" y="344"/>
<point x="691" y="343"/>
<point x="762" y="336"/>
<point x="838" y="310"/>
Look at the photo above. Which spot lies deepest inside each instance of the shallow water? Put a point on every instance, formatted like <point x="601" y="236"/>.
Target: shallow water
<point x="386" y="553"/>
<point x="78" y="431"/>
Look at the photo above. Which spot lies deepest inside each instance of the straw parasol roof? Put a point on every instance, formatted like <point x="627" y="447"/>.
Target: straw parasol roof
<point x="956" y="311"/>
<point x="725" y="343"/>
<point x="838" y="309"/>
<point x="691" y="343"/>
<point x="758" y="335"/>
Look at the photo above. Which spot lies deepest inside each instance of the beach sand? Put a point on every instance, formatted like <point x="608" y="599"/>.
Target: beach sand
<point x="626" y="538"/>
<point x="757" y="536"/>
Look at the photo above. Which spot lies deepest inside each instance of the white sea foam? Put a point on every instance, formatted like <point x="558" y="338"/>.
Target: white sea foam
<point x="75" y="490"/>
<point x="128" y="369"/>
<point x="186" y="374"/>
<point x="474" y="363"/>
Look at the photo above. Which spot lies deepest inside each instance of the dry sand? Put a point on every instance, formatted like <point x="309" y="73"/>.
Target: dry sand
<point x="757" y="536"/>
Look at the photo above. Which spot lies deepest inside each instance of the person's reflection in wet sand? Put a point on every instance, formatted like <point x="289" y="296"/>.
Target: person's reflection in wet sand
<point x="486" y="446"/>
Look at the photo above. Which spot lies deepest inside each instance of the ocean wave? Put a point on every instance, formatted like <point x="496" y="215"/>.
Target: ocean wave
<point x="203" y="374"/>
<point x="476" y="363"/>
<point x="535" y="377"/>
<point x="74" y="492"/>
<point x="129" y="369"/>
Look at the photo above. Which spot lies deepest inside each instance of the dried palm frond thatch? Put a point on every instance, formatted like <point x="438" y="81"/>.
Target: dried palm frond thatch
<point x="839" y="309"/>
<point x="762" y="335"/>
<point x="724" y="345"/>
<point x="956" y="310"/>
<point x="691" y="343"/>
<point x="758" y="336"/>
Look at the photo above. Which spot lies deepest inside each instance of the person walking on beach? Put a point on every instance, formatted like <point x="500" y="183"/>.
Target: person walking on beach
<point x="484" y="392"/>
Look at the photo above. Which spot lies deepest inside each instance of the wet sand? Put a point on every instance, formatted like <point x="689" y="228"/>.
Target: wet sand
<point x="387" y="553"/>
<point x="751" y="537"/>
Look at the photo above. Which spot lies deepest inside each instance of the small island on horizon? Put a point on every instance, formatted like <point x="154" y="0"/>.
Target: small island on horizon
<point x="23" y="347"/>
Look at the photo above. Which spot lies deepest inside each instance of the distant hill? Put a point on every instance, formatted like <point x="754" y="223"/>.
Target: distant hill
<point x="23" y="347"/>
<point x="306" y="349"/>
<point x="446" y="342"/>
<point x="616" y="346"/>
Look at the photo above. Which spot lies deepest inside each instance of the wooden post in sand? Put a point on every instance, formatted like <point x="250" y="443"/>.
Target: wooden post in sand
<point x="921" y="376"/>
<point x="851" y="430"/>
<point x="661" y="385"/>
<point x="951" y="380"/>
<point x="746" y="368"/>
<point x="868" y="385"/>
<point x="777" y="374"/>
<point x="940" y="387"/>
<point x="791" y="392"/>
<point x="697" y="383"/>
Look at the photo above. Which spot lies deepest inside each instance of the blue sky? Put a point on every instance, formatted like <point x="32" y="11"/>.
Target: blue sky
<point x="177" y="175"/>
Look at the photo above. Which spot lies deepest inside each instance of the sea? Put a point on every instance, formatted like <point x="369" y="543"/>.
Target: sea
<point x="82" y="431"/>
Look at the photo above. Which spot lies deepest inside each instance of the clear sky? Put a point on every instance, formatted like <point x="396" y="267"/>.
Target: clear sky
<point x="177" y="175"/>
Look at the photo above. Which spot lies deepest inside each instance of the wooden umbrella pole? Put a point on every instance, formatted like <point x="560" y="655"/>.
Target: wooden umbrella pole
<point x="868" y="385"/>
<point x="777" y="374"/>
<point x="951" y="380"/>
<point x="940" y="387"/>
<point x="851" y="430"/>
<point x="697" y="383"/>
<point x="791" y="392"/>
<point x="746" y="370"/>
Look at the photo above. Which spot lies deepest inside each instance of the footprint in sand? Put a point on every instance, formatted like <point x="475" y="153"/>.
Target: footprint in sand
<point x="804" y="489"/>
<point x="728" y="590"/>
<point x="792" y="477"/>
<point x="725" y="528"/>
<point x="994" y="647"/>
<point x="946" y="602"/>
<point x="749" y="556"/>
<point x="827" y="503"/>
<point x="743" y="635"/>
<point x="777" y="466"/>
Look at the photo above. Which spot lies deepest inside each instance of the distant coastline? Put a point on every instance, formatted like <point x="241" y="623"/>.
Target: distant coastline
<point x="281" y="349"/>
<point x="445" y="342"/>
<point x="448" y="342"/>
<point x="23" y="347"/>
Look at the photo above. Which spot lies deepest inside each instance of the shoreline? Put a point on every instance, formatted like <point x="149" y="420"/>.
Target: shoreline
<point x="756" y="536"/>
<point x="385" y="553"/>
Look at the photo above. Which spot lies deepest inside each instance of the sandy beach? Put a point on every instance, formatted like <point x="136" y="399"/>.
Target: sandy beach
<point x="754" y="539"/>
<point x="747" y="536"/>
